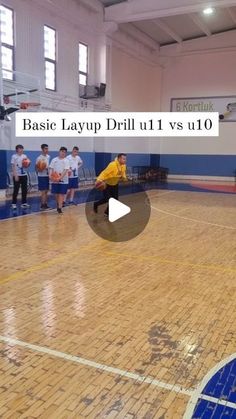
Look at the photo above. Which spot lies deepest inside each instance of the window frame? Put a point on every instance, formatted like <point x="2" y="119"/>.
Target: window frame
<point x="50" y="60"/>
<point x="9" y="46"/>
<point x="82" y="73"/>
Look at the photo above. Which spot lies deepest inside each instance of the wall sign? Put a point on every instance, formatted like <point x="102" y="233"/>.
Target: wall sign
<point x="225" y="105"/>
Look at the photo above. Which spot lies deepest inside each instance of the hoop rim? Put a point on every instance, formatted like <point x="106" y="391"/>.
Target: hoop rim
<point x="26" y="105"/>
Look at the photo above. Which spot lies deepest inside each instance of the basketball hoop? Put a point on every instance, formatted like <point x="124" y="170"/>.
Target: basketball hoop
<point x="26" y="105"/>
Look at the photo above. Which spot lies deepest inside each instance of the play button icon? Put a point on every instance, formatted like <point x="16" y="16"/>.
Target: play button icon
<point x="117" y="210"/>
<point x="127" y="216"/>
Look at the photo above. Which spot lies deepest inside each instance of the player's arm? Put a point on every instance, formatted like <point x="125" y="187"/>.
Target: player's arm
<point x="107" y="173"/>
<point x="35" y="167"/>
<point x="67" y="168"/>
<point x="80" y="163"/>
<point x="124" y="176"/>
<point x="51" y="168"/>
<point x="14" y="172"/>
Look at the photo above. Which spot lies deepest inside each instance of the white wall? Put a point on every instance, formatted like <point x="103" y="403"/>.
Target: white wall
<point x="196" y="75"/>
<point x="131" y="73"/>
<point x="135" y="84"/>
<point x="73" y="22"/>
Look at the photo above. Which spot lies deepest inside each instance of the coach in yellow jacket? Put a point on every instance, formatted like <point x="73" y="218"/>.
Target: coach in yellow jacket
<point x="111" y="175"/>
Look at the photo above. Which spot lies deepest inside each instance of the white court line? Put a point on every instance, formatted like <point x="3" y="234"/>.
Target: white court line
<point x="157" y="194"/>
<point x="37" y="213"/>
<point x="193" y="219"/>
<point x="218" y="401"/>
<point x="197" y="393"/>
<point x="98" y="366"/>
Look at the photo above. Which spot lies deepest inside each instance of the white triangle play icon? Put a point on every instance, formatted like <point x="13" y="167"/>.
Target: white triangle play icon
<point x="117" y="210"/>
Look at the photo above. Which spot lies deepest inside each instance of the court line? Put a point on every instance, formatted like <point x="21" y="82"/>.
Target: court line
<point x="218" y="401"/>
<point x="197" y="393"/>
<point x="169" y="261"/>
<point x="89" y="363"/>
<point x="193" y="219"/>
<point x="23" y="216"/>
<point x="54" y="209"/>
<point x="157" y="194"/>
<point x="46" y="264"/>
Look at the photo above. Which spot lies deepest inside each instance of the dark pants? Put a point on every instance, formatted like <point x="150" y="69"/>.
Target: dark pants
<point x="111" y="191"/>
<point x="22" y="182"/>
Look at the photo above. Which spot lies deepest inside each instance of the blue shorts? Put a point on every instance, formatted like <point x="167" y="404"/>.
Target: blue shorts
<point x="59" y="188"/>
<point x="43" y="183"/>
<point x="73" y="183"/>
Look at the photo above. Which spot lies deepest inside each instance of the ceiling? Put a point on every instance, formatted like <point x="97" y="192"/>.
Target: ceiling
<point x="172" y="26"/>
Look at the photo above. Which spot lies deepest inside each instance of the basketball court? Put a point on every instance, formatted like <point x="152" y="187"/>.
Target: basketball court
<point x="130" y="317"/>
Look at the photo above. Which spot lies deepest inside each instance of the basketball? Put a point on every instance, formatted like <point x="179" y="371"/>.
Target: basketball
<point x="100" y="185"/>
<point x="26" y="163"/>
<point x="55" y="177"/>
<point x="41" y="165"/>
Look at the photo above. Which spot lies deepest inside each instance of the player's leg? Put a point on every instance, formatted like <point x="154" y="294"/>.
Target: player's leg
<point x="73" y="186"/>
<point x="72" y="194"/>
<point x="24" y="185"/>
<point x="44" y="188"/>
<point x="43" y="200"/>
<point x="109" y="194"/>
<point x="62" y="191"/>
<point x="16" y="187"/>
<point x="103" y="200"/>
<point x="115" y="191"/>
<point x="68" y="195"/>
<point x="46" y="198"/>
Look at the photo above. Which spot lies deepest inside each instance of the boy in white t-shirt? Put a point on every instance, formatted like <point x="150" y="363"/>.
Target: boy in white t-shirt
<point x="43" y="176"/>
<point x="20" y="178"/>
<point x="59" y="166"/>
<point x="75" y="163"/>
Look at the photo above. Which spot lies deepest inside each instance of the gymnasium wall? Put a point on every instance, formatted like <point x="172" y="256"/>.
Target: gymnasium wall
<point x="74" y="22"/>
<point x="200" y="74"/>
<point x="133" y="79"/>
<point x="136" y="81"/>
<point x="135" y="86"/>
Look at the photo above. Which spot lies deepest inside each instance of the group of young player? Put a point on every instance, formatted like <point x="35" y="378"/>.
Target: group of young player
<point x="62" y="171"/>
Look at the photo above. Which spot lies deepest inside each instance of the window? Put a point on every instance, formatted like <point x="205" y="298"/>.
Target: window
<point x="7" y="41"/>
<point x="50" y="57"/>
<point x="83" y="64"/>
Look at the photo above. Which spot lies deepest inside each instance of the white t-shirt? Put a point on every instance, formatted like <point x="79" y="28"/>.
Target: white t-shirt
<point x="59" y="165"/>
<point x="75" y="163"/>
<point x="16" y="160"/>
<point x="46" y="159"/>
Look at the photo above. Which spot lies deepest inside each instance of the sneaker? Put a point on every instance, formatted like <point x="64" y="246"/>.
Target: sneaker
<point x="46" y="207"/>
<point x="72" y="203"/>
<point x="14" y="206"/>
<point x="42" y="207"/>
<point x="63" y="204"/>
<point x="25" y="205"/>
<point x="59" y="210"/>
<point x="95" y="208"/>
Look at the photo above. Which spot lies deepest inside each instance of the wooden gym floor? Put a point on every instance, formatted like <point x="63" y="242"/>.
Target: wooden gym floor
<point x="95" y="329"/>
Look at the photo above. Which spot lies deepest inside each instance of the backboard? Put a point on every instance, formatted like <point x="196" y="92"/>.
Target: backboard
<point x="20" y="90"/>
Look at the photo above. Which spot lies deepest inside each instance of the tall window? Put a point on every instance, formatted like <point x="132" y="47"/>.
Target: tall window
<point x="83" y="64"/>
<point x="7" y="40"/>
<point x="50" y="57"/>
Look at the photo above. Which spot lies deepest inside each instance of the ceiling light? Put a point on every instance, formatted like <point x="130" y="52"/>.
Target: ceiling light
<point x="208" y="11"/>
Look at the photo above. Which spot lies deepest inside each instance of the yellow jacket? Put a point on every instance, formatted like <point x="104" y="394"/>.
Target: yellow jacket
<point x="113" y="173"/>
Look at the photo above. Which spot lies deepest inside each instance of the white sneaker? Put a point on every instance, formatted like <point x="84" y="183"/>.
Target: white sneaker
<point x="14" y="206"/>
<point x="25" y="205"/>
